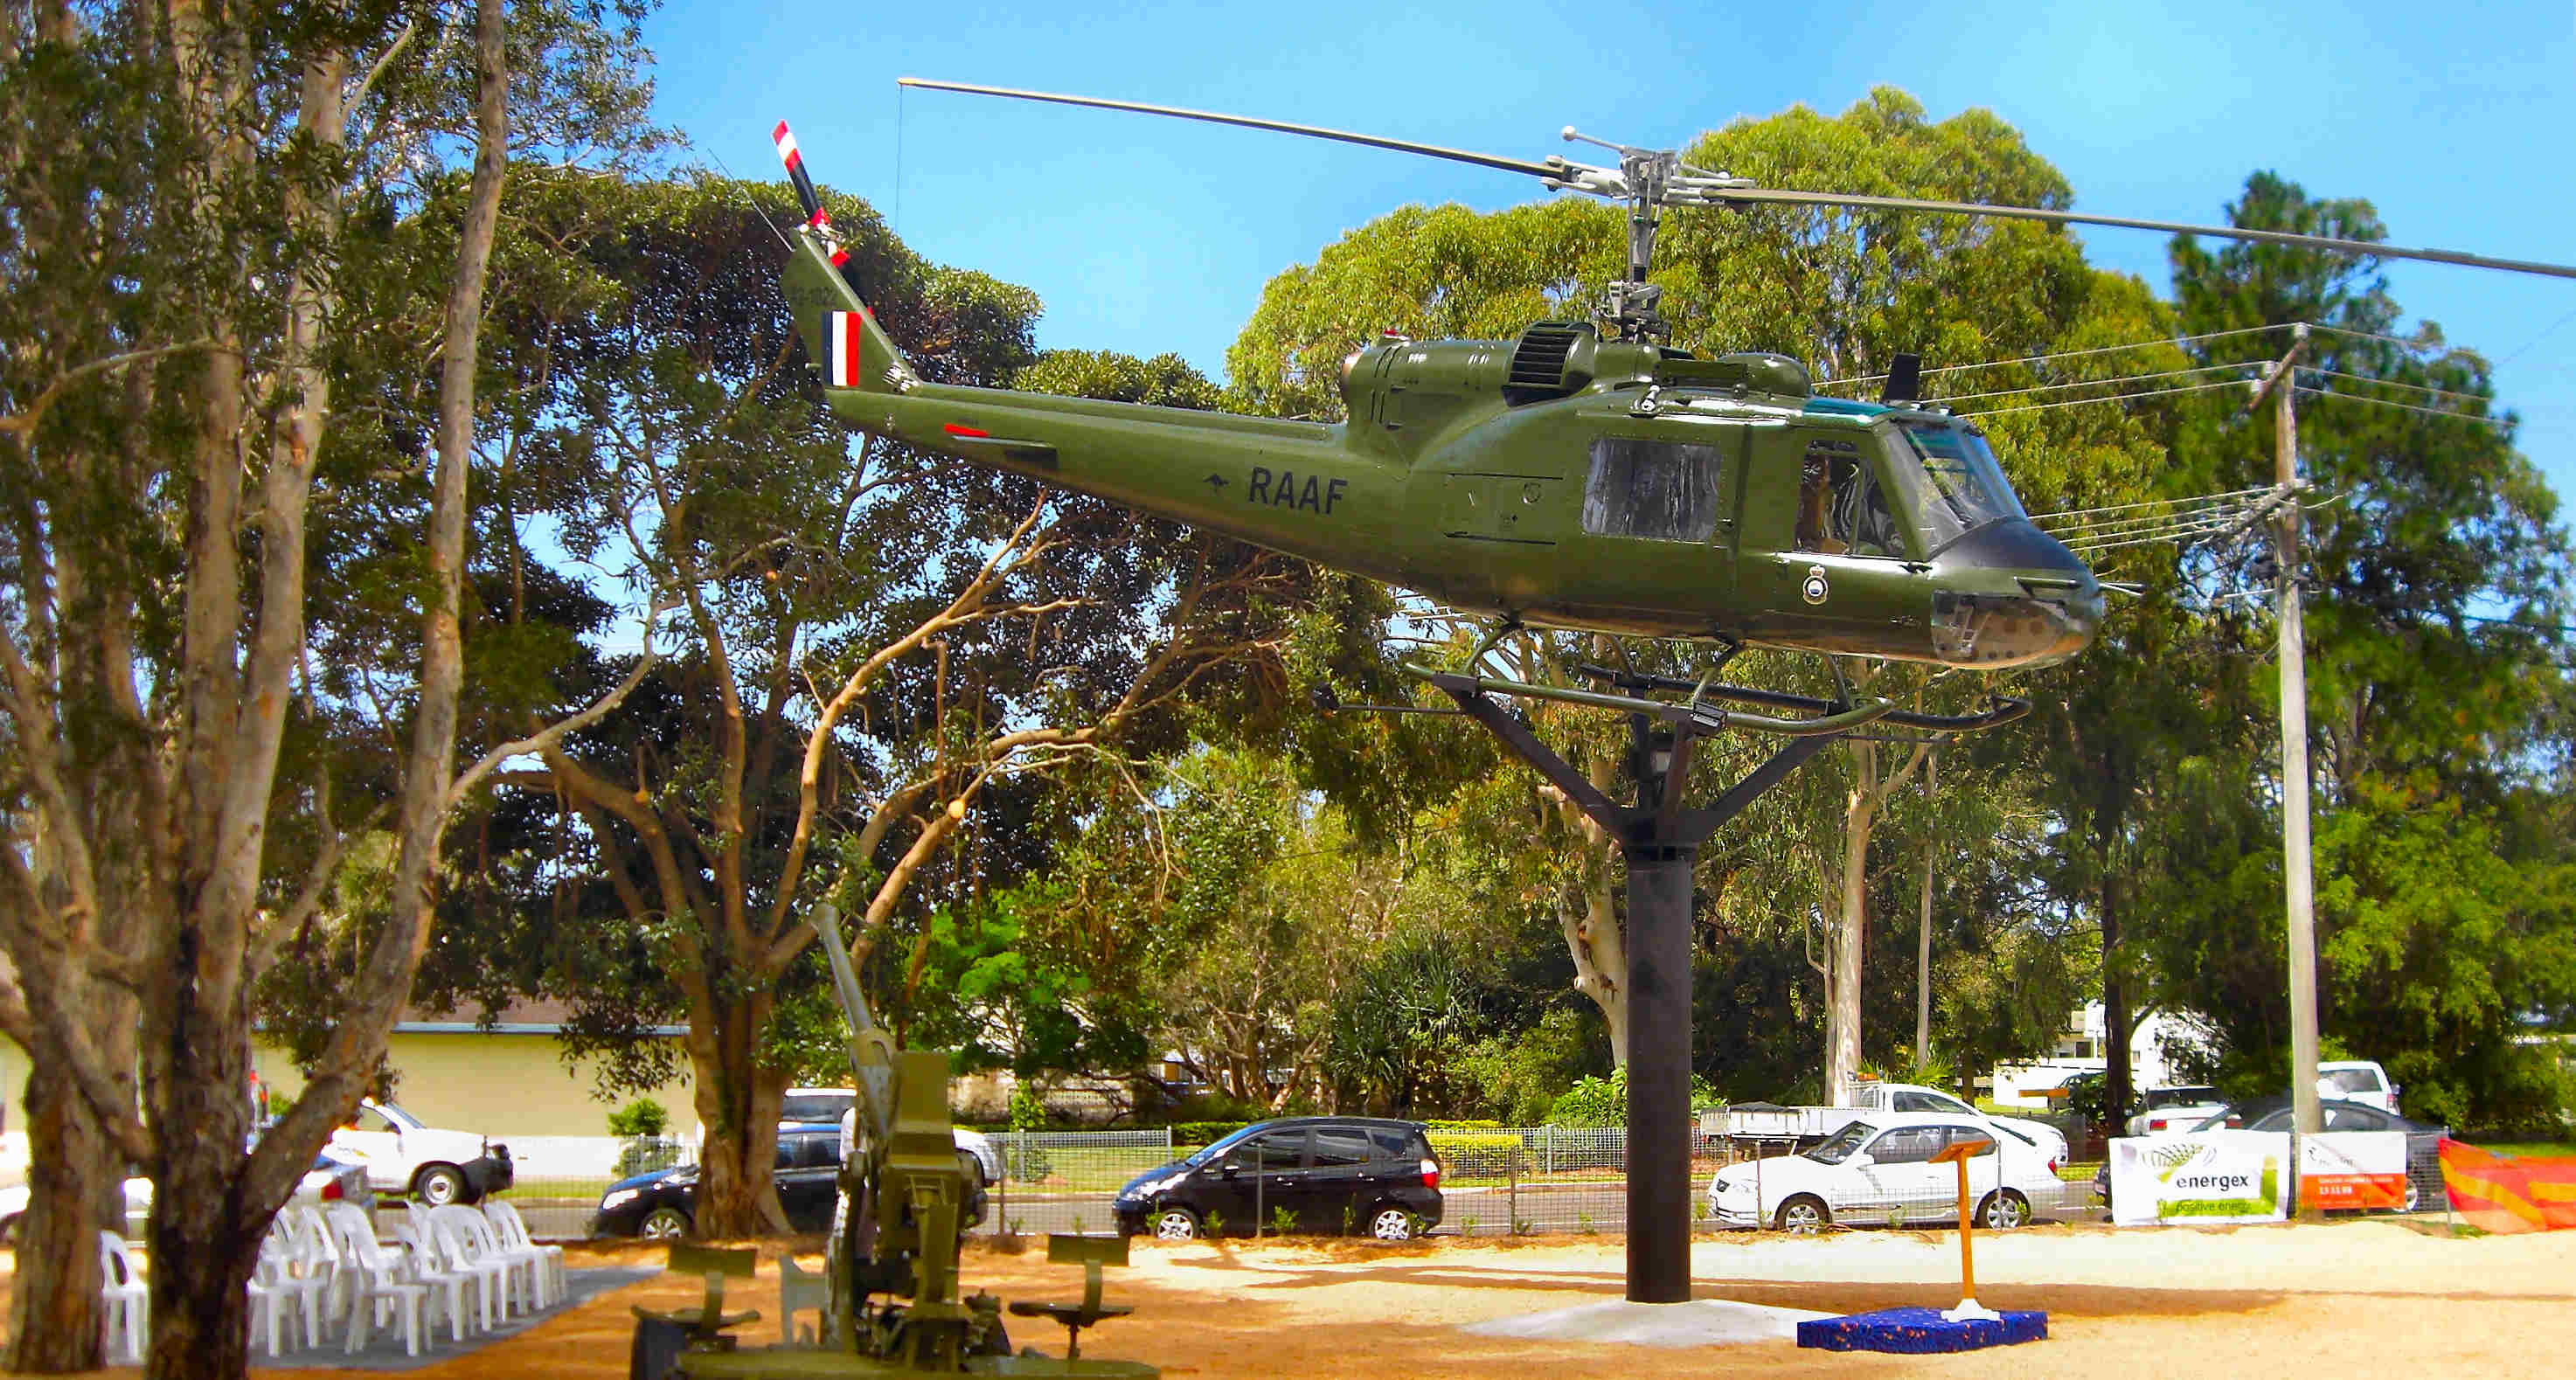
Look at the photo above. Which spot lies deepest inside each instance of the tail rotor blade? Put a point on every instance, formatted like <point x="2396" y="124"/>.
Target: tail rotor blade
<point x="816" y="217"/>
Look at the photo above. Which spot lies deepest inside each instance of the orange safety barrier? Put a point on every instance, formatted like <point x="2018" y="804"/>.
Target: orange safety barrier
<point x="2507" y="1193"/>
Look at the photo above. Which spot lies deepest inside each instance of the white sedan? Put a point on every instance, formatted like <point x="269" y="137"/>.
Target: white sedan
<point x="1880" y="1169"/>
<point x="331" y="1178"/>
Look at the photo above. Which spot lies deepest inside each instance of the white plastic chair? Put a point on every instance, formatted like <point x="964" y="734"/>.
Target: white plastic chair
<point x="553" y="1281"/>
<point x="269" y="1286"/>
<point x="464" y="1243"/>
<point x="423" y="1264"/>
<point x="313" y="1262"/>
<point x="375" y="1280"/>
<point x="128" y="1301"/>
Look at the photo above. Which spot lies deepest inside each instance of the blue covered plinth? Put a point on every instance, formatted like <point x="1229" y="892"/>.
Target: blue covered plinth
<point x="1920" y="1329"/>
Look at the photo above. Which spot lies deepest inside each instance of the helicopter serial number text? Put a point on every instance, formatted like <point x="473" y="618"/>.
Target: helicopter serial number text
<point x="1283" y="491"/>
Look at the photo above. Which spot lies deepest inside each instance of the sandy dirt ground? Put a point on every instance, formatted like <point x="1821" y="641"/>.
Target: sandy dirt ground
<point x="2356" y="1298"/>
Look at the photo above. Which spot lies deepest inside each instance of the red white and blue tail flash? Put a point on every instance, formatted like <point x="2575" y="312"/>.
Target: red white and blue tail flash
<point x="843" y="332"/>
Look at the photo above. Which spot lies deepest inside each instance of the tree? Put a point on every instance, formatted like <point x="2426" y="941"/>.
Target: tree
<point x="878" y="654"/>
<point x="2441" y="913"/>
<point x="169" y="429"/>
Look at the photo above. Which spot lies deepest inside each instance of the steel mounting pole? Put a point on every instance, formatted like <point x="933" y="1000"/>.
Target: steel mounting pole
<point x="1660" y="839"/>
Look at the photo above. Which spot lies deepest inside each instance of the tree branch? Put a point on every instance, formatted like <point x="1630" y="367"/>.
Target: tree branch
<point x="544" y="740"/>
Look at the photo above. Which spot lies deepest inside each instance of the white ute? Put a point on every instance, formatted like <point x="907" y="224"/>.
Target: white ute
<point x="403" y="1155"/>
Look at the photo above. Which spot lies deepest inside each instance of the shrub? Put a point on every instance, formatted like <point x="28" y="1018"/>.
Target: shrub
<point x="1593" y="1102"/>
<point x="1471" y="1153"/>
<point x="641" y="1117"/>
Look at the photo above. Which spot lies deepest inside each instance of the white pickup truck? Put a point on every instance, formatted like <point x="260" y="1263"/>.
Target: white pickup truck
<point x="1761" y="1121"/>
<point x="405" y="1156"/>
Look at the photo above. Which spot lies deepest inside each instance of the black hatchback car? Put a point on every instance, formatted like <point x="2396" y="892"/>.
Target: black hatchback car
<point x="664" y="1203"/>
<point x="1325" y="1174"/>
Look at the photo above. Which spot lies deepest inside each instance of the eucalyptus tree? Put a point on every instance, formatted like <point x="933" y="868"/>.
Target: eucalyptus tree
<point x="204" y="202"/>
<point x="874" y="656"/>
<point x="1845" y="290"/>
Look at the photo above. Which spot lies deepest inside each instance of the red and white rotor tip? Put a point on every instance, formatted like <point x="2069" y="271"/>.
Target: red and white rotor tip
<point x="806" y="196"/>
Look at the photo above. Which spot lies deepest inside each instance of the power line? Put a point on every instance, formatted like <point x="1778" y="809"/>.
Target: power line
<point x="2546" y="332"/>
<point x="2124" y="397"/>
<point x="2419" y="345"/>
<point x="2092" y="383"/>
<point x="2393" y="383"/>
<point x="2497" y="422"/>
<point x="2064" y="354"/>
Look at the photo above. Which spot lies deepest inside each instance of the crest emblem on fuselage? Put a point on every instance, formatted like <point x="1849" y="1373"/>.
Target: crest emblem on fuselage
<point x="1814" y="587"/>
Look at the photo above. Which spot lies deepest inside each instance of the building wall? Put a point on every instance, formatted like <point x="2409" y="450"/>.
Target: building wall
<point x="502" y="1084"/>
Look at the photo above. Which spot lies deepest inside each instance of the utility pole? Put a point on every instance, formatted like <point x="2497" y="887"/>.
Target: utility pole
<point x="1923" y="940"/>
<point x="2296" y="866"/>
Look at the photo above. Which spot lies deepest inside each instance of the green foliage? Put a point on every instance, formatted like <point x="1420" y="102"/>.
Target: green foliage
<point x="1028" y="1109"/>
<point x="1593" y="1102"/>
<point x="641" y="1117"/>
<point x="1519" y="1075"/>
<point x="1283" y="1221"/>
<point x="1466" y="1153"/>
<point x="1203" y="1132"/>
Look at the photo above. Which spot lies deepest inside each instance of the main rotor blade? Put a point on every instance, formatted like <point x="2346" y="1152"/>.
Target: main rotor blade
<point x="1482" y="160"/>
<point x="1975" y="208"/>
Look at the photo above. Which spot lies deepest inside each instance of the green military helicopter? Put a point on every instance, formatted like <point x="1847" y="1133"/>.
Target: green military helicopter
<point x="1570" y="478"/>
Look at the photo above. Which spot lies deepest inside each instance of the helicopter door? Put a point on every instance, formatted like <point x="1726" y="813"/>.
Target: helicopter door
<point x="1846" y="578"/>
<point x="1661" y="502"/>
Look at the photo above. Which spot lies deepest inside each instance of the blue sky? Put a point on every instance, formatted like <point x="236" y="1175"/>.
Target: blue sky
<point x="1145" y="235"/>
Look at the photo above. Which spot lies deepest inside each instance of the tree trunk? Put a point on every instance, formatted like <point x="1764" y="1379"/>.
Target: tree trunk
<point x="2118" y="1025"/>
<point x="204" y="1239"/>
<point x="1599" y="944"/>
<point x="73" y="1187"/>
<point x="737" y="1190"/>
<point x="1843" y="962"/>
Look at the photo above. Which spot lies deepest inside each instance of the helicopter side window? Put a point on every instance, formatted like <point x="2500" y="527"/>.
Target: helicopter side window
<point x="1841" y="508"/>
<point x="1662" y="490"/>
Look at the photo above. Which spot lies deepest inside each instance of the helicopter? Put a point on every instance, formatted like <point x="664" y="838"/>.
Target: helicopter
<point x="1570" y="478"/>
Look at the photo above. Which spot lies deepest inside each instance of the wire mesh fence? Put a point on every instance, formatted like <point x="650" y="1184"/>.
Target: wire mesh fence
<point x="1067" y="1180"/>
<point x="1496" y="1181"/>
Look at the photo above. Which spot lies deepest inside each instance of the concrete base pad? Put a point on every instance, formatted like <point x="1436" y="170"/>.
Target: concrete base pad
<point x="1700" y="1322"/>
<point x="1921" y="1330"/>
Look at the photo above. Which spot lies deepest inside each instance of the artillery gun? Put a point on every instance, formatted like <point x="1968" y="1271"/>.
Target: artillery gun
<point x="894" y="1310"/>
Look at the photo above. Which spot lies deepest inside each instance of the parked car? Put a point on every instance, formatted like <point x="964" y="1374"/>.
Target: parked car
<point x="1328" y="1174"/>
<point x="1879" y="1169"/>
<point x="404" y="1155"/>
<point x="2423" y="1159"/>
<point x="2175" y="1109"/>
<point x="664" y="1203"/>
<point x="809" y="1106"/>
<point x="328" y="1180"/>
<point x="1911" y="1097"/>
<point x="2423" y="1141"/>
<point x="2357" y="1080"/>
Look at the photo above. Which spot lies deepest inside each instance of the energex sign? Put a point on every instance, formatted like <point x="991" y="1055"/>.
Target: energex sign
<point x="2201" y="1176"/>
<point x="2353" y="1169"/>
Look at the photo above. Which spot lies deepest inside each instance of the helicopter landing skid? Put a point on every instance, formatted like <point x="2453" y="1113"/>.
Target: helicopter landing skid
<point x="1691" y="719"/>
<point x="1999" y="709"/>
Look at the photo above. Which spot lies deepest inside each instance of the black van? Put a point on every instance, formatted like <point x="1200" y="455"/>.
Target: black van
<point x="1327" y="1173"/>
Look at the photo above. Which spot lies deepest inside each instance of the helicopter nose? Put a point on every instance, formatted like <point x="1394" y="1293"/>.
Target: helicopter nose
<point x="2012" y="595"/>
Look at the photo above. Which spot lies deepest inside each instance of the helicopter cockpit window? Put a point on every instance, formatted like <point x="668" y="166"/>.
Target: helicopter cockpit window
<point x="1658" y="489"/>
<point x="1953" y="480"/>
<point x="1841" y="508"/>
